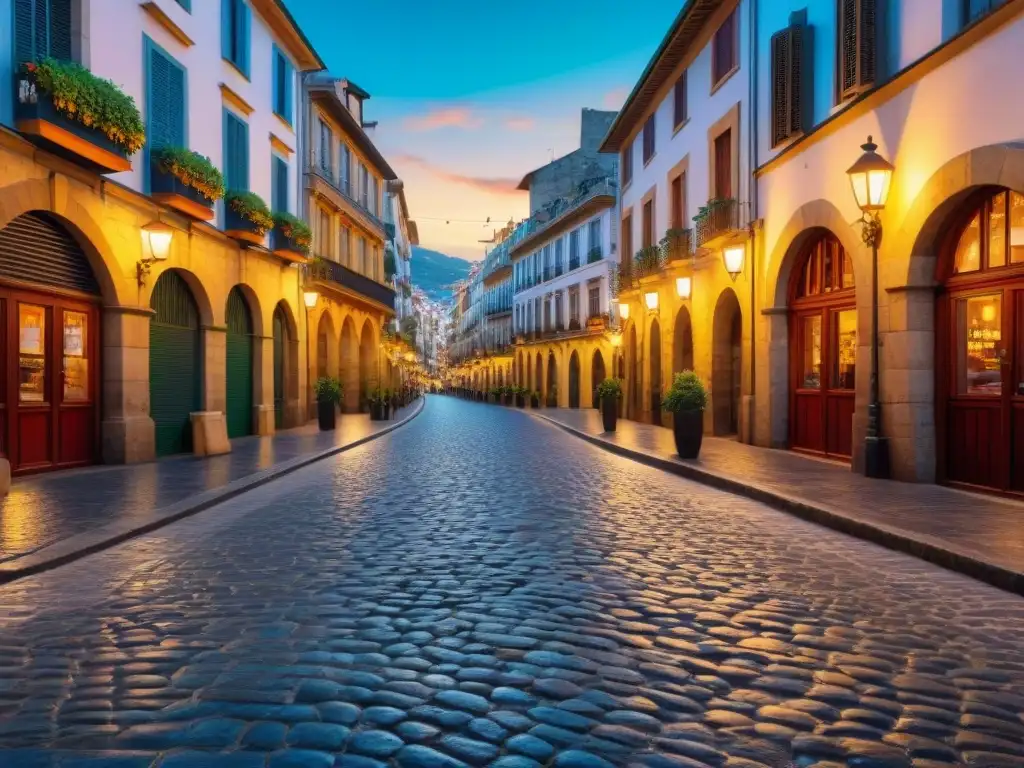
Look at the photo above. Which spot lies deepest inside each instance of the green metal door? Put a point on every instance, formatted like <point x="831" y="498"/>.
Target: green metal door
<point x="279" y="341"/>
<point x="239" y="366"/>
<point x="175" y="364"/>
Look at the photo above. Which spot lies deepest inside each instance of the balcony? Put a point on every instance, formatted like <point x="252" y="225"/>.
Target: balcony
<point x="717" y="223"/>
<point x="327" y="184"/>
<point x="334" y="275"/>
<point x="590" y="196"/>
<point x="595" y="255"/>
<point x="574" y="264"/>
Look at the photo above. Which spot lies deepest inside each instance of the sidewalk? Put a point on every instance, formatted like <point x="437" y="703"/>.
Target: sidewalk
<point x="51" y="519"/>
<point x="982" y="536"/>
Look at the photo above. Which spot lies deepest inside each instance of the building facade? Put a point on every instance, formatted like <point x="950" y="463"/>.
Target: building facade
<point x="138" y="314"/>
<point x="346" y="181"/>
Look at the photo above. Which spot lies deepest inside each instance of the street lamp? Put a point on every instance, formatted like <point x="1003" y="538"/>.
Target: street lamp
<point x="733" y="258"/>
<point x="624" y="310"/>
<point x="156" y="241"/>
<point x="870" y="177"/>
<point x="310" y="298"/>
<point x="651" y="299"/>
<point x="684" y="287"/>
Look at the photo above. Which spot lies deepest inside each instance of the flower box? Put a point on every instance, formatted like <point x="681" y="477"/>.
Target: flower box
<point x="286" y="248"/>
<point x="37" y="117"/>
<point x="237" y="227"/>
<point x="168" y="189"/>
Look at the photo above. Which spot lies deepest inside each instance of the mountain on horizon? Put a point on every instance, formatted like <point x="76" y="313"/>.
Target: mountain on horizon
<point x="433" y="272"/>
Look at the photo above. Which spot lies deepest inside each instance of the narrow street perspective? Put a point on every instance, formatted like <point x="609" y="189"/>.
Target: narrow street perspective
<point x="494" y="605"/>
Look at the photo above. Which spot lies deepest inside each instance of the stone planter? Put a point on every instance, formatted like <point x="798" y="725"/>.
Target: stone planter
<point x="326" y="415"/>
<point x="609" y="412"/>
<point x="47" y="127"/>
<point x="237" y="227"/>
<point x="168" y="189"/>
<point x="688" y="431"/>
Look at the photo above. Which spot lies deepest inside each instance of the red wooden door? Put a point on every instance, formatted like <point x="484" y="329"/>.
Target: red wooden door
<point x="50" y="413"/>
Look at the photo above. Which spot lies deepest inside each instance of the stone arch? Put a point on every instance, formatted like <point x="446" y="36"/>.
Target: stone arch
<point x="726" y="364"/>
<point x="575" y="384"/>
<point x="368" y="374"/>
<point x="252" y="299"/>
<point x="654" y="362"/>
<point x="538" y="376"/>
<point x="551" y="380"/>
<point x="285" y="336"/>
<point x="325" y="347"/>
<point x="53" y="196"/>
<point x="207" y="317"/>
<point x="243" y="360"/>
<point x="682" y="342"/>
<point x="632" y="396"/>
<point x="349" y="354"/>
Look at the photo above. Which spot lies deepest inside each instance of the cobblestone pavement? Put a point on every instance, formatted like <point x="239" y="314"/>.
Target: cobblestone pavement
<point x="479" y="588"/>
<point x="43" y="509"/>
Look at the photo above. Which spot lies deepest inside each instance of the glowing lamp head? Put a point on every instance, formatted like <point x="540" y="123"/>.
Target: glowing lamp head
<point x="616" y="339"/>
<point x="733" y="258"/>
<point x="310" y="298"/>
<point x="870" y="177"/>
<point x="624" y="310"/>
<point x="651" y="299"/>
<point x="684" y="287"/>
<point x="157" y="236"/>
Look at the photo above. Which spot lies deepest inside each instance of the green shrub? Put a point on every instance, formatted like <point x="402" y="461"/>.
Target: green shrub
<point x="687" y="393"/>
<point x="92" y="101"/>
<point x="612" y="387"/>
<point x="327" y="389"/>
<point x="251" y="207"/>
<point x="192" y="170"/>
<point x="295" y="229"/>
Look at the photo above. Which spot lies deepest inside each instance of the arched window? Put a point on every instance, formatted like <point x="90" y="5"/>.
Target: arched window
<point x="993" y="236"/>
<point x="828" y="268"/>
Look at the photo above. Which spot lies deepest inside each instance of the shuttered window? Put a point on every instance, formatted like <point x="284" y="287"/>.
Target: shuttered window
<point x="627" y="164"/>
<point x="186" y="4"/>
<point x="235" y="24"/>
<point x="857" y="47"/>
<point x="236" y="153"/>
<point x="788" y="108"/>
<point x="648" y="139"/>
<point x="284" y="75"/>
<point x="165" y="99"/>
<point x="279" y="182"/>
<point x="724" y="50"/>
<point x="975" y="9"/>
<point x="42" y="28"/>
<point x="679" y="113"/>
<point x="723" y="165"/>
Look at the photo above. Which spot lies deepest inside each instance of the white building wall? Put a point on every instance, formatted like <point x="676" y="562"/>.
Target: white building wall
<point x="115" y="31"/>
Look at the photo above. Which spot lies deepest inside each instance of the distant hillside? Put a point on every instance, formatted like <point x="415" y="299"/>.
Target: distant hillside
<point x="433" y="271"/>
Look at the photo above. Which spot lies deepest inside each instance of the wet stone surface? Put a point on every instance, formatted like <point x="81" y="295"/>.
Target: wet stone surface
<point x="482" y="589"/>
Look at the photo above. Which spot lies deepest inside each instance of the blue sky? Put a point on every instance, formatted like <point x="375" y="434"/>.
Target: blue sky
<point x="470" y="96"/>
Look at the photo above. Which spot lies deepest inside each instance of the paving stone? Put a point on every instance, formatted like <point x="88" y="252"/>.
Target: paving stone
<point x="380" y="744"/>
<point x="417" y="756"/>
<point x="300" y="758"/>
<point x="531" y="746"/>
<point x="264" y="736"/>
<point x="322" y="736"/>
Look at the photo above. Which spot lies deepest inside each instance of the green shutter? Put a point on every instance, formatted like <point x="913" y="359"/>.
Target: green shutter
<point x="42" y="28"/>
<point x="279" y="182"/>
<point x="289" y="79"/>
<point x="175" y="364"/>
<point x="226" y="29"/>
<point x="243" y="32"/>
<point x="239" y="359"/>
<point x="60" y="29"/>
<point x="166" y="100"/>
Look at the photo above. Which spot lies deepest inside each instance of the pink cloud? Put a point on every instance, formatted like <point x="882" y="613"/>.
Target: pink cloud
<point x="444" y="117"/>
<point x="614" y="99"/>
<point x="492" y="185"/>
<point x="520" y="124"/>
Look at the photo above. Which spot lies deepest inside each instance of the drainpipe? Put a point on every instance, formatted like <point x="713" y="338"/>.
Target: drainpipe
<point x="752" y="138"/>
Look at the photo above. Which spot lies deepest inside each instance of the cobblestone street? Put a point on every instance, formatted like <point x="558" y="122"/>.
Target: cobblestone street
<point x="481" y="588"/>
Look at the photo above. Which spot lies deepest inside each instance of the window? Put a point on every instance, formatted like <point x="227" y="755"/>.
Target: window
<point x="648" y="139"/>
<point x="372" y="207"/>
<point x="574" y="305"/>
<point x="647" y="234"/>
<point x="345" y="255"/>
<point x="284" y="76"/>
<point x="346" y="169"/>
<point x="236" y="153"/>
<point x="627" y="239"/>
<point x="787" y="103"/>
<point x="547" y="262"/>
<point x="234" y="31"/>
<point x="994" y="235"/>
<point x="856" y="47"/>
<point x="594" y="239"/>
<point x="574" y="249"/>
<point x="363" y="266"/>
<point x="558" y="312"/>
<point x="679" y="115"/>
<point x="165" y="99"/>
<point x="42" y="28"/>
<point x="558" y="257"/>
<point x="975" y="9"/>
<point x="723" y="165"/>
<point x="594" y="300"/>
<point x="364" y="186"/>
<point x="828" y="269"/>
<point x="627" y="164"/>
<point x="724" y="50"/>
<point x="323" y="234"/>
<point x="677" y="201"/>
<point x="326" y="141"/>
<point x="279" y="199"/>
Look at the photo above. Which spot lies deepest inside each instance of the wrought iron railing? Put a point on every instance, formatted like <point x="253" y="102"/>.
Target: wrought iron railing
<point x="332" y="271"/>
<point x="718" y="217"/>
<point x="324" y="169"/>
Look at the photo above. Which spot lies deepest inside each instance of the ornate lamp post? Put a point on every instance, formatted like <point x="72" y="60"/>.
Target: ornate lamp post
<point x="870" y="177"/>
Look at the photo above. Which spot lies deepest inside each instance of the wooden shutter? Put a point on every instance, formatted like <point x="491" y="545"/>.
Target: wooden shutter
<point x="236" y="153"/>
<point x="787" y="51"/>
<point x="42" y="28"/>
<point x="280" y="184"/>
<point x="857" y="46"/>
<point x="227" y="27"/>
<point x="679" y="100"/>
<point x="60" y="28"/>
<point x="723" y="165"/>
<point x="242" y="40"/>
<point x="166" y="101"/>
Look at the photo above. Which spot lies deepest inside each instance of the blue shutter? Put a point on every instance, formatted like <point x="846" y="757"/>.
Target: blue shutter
<point x="42" y="28"/>
<point x="289" y="77"/>
<point x="166" y="97"/>
<point x="242" y="154"/>
<point x="244" y="33"/>
<point x="279" y="184"/>
<point x="226" y="29"/>
<point x="60" y="29"/>
<point x="275" y="77"/>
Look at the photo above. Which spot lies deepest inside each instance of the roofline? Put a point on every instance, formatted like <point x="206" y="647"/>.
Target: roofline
<point x="355" y="89"/>
<point x="635" y="105"/>
<point x="307" y="59"/>
<point x="326" y="93"/>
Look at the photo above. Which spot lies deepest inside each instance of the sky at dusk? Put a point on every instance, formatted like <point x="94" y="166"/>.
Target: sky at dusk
<point x="470" y="96"/>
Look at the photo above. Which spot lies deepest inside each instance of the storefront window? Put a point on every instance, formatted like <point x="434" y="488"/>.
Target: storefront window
<point x="844" y="349"/>
<point x="32" y="353"/>
<point x="76" y="361"/>
<point x="968" y="250"/>
<point x="1016" y="228"/>
<point x="997" y="231"/>
<point x="811" y="371"/>
<point x="979" y="327"/>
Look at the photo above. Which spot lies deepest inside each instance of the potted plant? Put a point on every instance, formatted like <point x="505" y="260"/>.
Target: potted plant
<point x="328" y="395"/>
<point x="552" y="401"/>
<point x="686" y="400"/>
<point x="609" y="392"/>
<point x="521" y="393"/>
<point x="510" y="394"/>
<point x="535" y="399"/>
<point x="63" y="105"/>
<point x="376" y="403"/>
<point x="186" y="181"/>
<point x="247" y="217"/>
<point x="291" y="237"/>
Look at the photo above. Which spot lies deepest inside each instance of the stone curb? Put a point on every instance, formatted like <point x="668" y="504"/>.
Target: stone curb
<point x="931" y="549"/>
<point x="83" y="544"/>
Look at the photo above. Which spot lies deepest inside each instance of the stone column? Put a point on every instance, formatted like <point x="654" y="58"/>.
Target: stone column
<point x="215" y="340"/>
<point x="586" y="376"/>
<point x="563" y="378"/>
<point x="263" y="381"/>
<point x="128" y="434"/>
